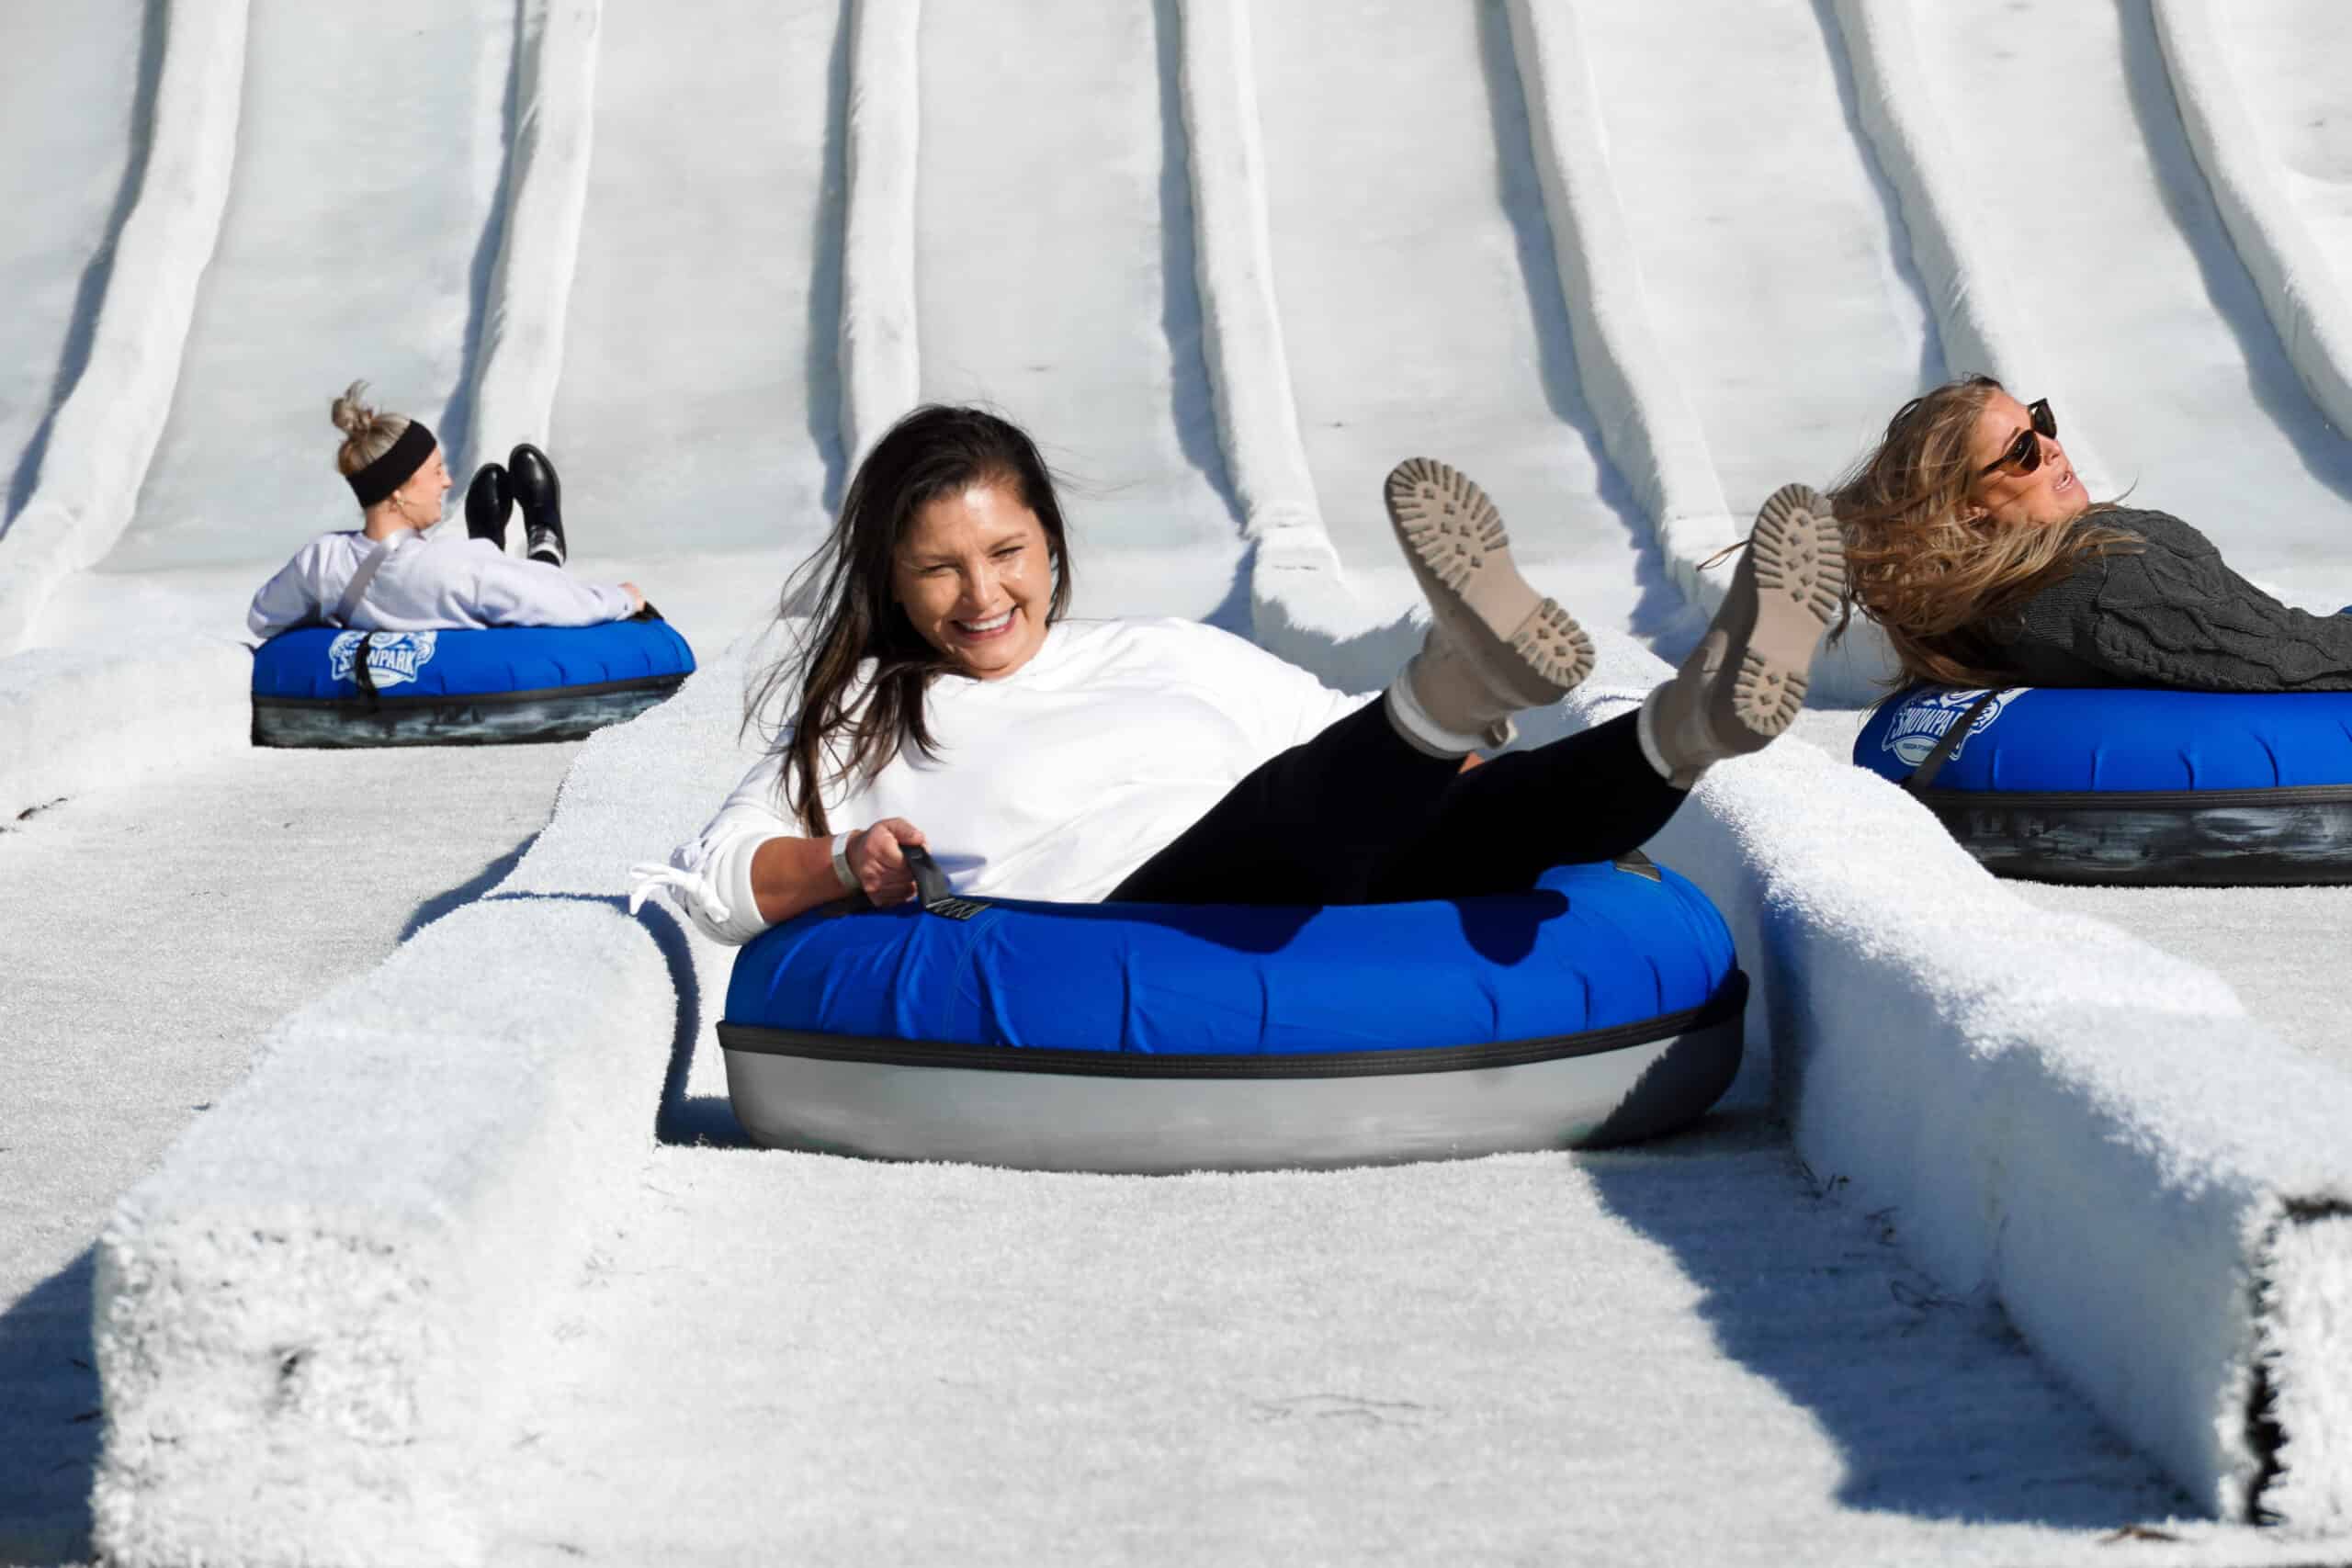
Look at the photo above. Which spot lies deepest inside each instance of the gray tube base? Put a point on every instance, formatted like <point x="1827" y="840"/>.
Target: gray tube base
<point x="490" y="719"/>
<point x="1192" y="1120"/>
<point x="2275" y="838"/>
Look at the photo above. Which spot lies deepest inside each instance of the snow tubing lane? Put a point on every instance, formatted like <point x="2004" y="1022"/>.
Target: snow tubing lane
<point x="318" y="686"/>
<point x="2130" y="787"/>
<point x="1604" y="1005"/>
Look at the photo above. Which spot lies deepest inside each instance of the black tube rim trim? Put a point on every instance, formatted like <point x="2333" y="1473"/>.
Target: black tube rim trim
<point x="475" y="699"/>
<point x="1723" y="1007"/>
<point x="2144" y="800"/>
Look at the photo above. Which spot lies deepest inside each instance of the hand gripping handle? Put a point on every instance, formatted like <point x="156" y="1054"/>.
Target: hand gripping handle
<point x="932" y="888"/>
<point x="930" y="883"/>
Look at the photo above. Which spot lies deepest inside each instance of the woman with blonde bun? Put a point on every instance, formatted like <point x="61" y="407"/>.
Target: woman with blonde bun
<point x="389" y="575"/>
<point x="1971" y="540"/>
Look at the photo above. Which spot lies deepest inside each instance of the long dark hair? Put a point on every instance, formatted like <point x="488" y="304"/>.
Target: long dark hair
<point x="933" y="451"/>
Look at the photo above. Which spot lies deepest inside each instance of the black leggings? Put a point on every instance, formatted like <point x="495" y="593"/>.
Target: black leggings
<point x="1358" y="816"/>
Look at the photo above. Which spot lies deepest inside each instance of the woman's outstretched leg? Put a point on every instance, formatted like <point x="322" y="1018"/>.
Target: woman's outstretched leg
<point x="1596" y="794"/>
<point x="1316" y="824"/>
<point x="490" y="501"/>
<point x="540" y="495"/>
<point x="1746" y="681"/>
<point x="1610" y="788"/>
<point x="1361" y="815"/>
<point x="1310" y="826"/>
<point x="1375" y="808"/>
<point x="528" y="479"/>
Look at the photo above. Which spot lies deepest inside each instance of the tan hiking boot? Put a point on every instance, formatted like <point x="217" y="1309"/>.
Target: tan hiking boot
<point x="1746" y="681"/>
<point x="1495" y="646"/>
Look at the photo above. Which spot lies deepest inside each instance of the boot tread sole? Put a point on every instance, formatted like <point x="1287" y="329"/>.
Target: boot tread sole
<point x="1798" y="559"/>
<point x="1455" y="538"/>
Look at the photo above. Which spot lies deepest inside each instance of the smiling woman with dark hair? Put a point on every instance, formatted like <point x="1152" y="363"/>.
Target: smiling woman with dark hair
<point x="940" y="697"/>
<point x="1971" y="540"/>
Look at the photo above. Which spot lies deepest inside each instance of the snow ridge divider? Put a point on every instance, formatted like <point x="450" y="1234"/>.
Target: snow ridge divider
<point x="2306" y="299"/>
<point x="1299" y="592"/>
<point x="73" y="719"/>
<point x="880" y="357"/>
<point x="2064" y="1121"/>
<point x="107" y="428"/>
<point x="1647" y="424"/>
<point x="2303" y="1398"/>
<point x="539" y="253"/>
<point x="1980" y="311"/>
<point x="315" y="1319"/>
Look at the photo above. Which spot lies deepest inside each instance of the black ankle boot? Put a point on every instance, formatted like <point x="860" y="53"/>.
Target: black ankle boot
<point x="540" y="495"/>
<point x="489" y="501"/>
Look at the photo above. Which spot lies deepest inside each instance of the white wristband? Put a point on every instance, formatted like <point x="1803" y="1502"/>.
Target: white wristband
<point x="841" y="873"/>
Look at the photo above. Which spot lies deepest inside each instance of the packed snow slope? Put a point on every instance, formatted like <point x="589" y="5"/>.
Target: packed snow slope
<point x="1419" y="293"/>
<point x="1093" y="343"/>
<point x="107" y="1062"/>
<point x="299" y="299"/>
<point x="2270" y="44"/>
<point x="1414" y="256"/>
<point x="1629" y="265"/>
<point x="2156" y="342"/>
<point x="699" y="404"/>
<point x="1766" y="235"/>
<point x="77" y="85"/>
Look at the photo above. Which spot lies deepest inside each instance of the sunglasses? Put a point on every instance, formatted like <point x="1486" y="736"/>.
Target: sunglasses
<point x="2024" y="455"/>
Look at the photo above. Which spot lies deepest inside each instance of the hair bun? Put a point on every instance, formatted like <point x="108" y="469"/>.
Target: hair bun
<point x="350" y="415"/>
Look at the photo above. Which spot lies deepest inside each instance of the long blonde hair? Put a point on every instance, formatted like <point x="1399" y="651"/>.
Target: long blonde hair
<point x="1937" y="579"/>
<point x="368" y="434"/>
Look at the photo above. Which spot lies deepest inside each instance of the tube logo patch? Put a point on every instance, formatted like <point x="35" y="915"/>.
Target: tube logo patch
<point x="1923" y="720"/>
<point x="393" y="658"/>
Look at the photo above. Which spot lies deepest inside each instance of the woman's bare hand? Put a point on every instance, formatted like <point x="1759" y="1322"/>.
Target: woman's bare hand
<point x="877" y="858"/>
<point x="635" y="595"/>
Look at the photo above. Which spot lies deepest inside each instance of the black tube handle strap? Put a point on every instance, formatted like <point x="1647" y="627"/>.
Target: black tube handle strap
<point x="1947" y="743"/>
<point x="361" y="676"/>
<point x="1639" y="864"/>
<point x="931" y="888"/>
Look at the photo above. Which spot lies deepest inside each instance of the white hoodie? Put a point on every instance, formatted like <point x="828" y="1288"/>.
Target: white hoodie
<point x="429" y="584"/>
<point x="1055" y="781"/>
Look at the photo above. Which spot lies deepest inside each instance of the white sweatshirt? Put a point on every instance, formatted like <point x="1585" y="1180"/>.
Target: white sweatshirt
<point x="1058" y="781"/>
<point x="429" y="584"/>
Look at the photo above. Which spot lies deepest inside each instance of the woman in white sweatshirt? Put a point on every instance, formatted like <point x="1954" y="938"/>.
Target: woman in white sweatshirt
<point x="387" y="576"/>
<point x="940" y="698"/>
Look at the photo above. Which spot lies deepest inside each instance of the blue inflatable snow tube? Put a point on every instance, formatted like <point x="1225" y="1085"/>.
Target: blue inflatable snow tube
<point x="2129" y="786"/>
<point x="318" y="686"/>
<point x="1601" y="1006"/>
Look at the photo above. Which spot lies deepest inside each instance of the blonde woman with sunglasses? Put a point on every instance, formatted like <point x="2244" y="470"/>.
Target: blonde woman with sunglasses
<point x="1969" y="537"/>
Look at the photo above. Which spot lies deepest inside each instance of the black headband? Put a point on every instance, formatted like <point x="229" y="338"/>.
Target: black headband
<point x="389" y="472"/>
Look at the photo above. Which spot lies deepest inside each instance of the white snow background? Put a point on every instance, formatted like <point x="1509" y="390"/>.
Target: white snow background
<point x="367" y="1188"/>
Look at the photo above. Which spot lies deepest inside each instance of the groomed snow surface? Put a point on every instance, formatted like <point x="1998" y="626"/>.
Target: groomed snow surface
<point x="367" y="1191"/>
<point x="149" y="949"/>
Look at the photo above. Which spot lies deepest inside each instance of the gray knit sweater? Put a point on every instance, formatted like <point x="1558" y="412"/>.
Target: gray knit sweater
<point x="2170" y="615"/>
